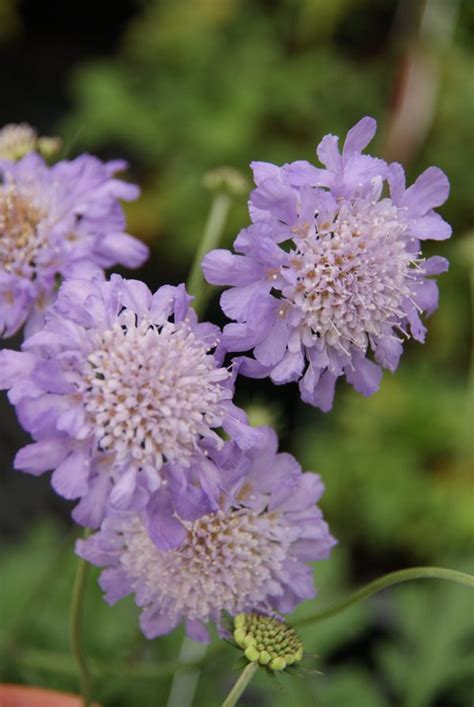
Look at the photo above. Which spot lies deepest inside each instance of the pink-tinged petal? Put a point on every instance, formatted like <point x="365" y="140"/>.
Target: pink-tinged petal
<point x="426" y="295"/>
<point x="279" y="199"/>
<point x="272" y="348"/>
<point x="123" y="490"/>
<point x="42" y="456"/>
<point x="431" y="189"/>
<point x="197" y="631"/>
<point x="221" y="267"/>
<point x="363" y="375"/>
<point x="396" y="181"/>
<point x="328" y="153"/>
<point x="435" y="265"/>
<point x="289" y="369"/>
<point x="388" y="352"/>
<point x="263" y="170"/>
<point x="431" y="227"/>
<point x="70" y="479"/>
<point x="123" y="249"/>
<point x="359" y="137"/>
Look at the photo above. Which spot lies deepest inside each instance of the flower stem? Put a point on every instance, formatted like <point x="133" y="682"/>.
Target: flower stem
<point x="213" y="230"/>
<point x="75" y="618"/>
<point x="386" y="581"/>
<point x="184" y="684"/>
<point x="244" y="679"/>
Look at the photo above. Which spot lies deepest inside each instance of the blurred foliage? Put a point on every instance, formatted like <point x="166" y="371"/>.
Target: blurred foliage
<point x="197" y="85"/>
<point x="10" y="23"/>
<point x="418" y="660"/>
<point x="397" y="465"/>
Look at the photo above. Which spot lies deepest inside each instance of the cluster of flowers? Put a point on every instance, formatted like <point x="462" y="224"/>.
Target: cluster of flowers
<point x="126" y="394"/>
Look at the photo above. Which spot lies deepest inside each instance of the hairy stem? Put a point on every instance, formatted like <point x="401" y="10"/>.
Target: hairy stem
<point x="75" y="620"/>
<point x="244" y="679"/>
<point x="213" y="230"/>
<point x="386" y="581"/>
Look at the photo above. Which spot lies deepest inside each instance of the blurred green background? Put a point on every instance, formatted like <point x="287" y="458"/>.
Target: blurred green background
<point x="179" y="87"/>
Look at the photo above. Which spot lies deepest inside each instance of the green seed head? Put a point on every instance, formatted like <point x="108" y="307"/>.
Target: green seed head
<point x="267" y="640"/>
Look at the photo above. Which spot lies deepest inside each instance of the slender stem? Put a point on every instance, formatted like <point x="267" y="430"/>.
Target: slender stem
<point x="184" y="684"/>
<point x="386" y="581"/>
<point x="244" y="679"/>
<point x="213" y="230"/>
<point x="75" y="619"/>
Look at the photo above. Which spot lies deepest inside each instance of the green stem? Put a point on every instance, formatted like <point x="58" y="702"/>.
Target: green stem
<point x="244" y="679"/>
<point x="386" y="581"/>
<point x="213" y="230"/>
<point x="75" y="619"/>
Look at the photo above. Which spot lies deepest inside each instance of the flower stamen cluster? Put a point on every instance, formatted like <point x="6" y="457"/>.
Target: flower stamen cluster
<point x="150" y="391"/>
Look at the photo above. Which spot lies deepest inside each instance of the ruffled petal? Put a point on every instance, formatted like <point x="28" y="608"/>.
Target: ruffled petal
<point x="431" y="189"/>
<point x="359" y="137"/>
<point x="42" y="456"/>
<point x="221" y="267"/>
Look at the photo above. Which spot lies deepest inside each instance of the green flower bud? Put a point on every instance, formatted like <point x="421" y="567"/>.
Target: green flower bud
<point x="267" y="640"/>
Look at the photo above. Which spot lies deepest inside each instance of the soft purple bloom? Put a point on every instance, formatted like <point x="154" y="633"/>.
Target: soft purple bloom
<point x="61" y="221"/>
<point x="118" y="382"/>
<point x="249" y="554"/>
<point x="331" y="268"/>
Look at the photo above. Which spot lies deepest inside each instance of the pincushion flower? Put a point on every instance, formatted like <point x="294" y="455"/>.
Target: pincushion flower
<point x="58" y="222"/>
<point x="330" y="274"/>
<point x="249" y="554"/>
<point x="118" y="382"/>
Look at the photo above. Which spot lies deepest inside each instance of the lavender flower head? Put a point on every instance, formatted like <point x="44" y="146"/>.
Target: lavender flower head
<point x="61" y="221"/>
<point x="116" y="383"/>
<point x="249" y="554"/>
<point x="352" y="280"/>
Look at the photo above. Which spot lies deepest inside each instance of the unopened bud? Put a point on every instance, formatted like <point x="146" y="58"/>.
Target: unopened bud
<point x="268" y="641"/>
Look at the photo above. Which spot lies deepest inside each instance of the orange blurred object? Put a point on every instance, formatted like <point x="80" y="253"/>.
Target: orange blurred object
<point x="30" y="696"/>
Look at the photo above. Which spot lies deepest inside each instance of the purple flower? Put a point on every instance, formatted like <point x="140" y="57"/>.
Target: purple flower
<point x="61" y="221"/>
<point x="116" y="383"/>
<point x="331" y="268"/>
<point x="249" y="554"/>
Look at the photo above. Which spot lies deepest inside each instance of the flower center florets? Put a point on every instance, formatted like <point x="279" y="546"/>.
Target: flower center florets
<point x="228" y="561"/>
<point x="150" y="392"/>
<point x="352" y="273"/>
<point x="20" y="242"/>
